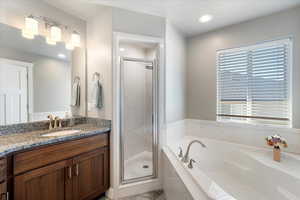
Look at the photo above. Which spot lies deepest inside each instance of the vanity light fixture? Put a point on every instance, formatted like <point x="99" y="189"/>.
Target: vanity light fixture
<point x="205" y="18"/>
<point x="75" y="39"/>
<point x="55" y="33"/>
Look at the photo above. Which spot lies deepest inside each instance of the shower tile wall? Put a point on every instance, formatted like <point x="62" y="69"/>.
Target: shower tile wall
<point x="137" y="138"/>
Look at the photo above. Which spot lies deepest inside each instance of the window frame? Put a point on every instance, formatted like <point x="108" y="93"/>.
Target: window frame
<point x="288" y="41"/>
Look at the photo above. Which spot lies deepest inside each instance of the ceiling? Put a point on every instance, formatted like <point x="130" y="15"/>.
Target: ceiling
<point x="185" y="13"/>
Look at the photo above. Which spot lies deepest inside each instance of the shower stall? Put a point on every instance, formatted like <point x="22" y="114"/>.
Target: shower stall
<point x="138" y="114"/>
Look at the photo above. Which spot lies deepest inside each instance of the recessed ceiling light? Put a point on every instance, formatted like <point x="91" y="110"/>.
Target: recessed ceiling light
<point x="205" y="18"/>
<point x="122" y="49"/>
<point x="61" y="55"/>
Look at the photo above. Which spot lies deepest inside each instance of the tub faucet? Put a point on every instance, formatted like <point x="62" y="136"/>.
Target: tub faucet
<point x="190" y="165"/>
<point x="180" y="155"/>
<point x="185" y="158"/>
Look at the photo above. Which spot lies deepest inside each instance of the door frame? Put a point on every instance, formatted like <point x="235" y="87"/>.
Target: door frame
<point x="117" y="190"/>
<point x="29" y="68"/>
<point x="154" y="121"/>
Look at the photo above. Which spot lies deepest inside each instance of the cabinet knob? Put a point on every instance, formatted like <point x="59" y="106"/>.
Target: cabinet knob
<point x="77" y="169"/>
<point x="5" y="196"/>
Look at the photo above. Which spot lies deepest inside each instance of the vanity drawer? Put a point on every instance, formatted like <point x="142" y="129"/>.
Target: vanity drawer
<point x="2" y="169"/>
<point x="39" y="157"/>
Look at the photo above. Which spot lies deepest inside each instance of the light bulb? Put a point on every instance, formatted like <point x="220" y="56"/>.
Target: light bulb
<point x="55" y="33"/>
<point x="31" y="25"/>
<point x="75" y="38"/>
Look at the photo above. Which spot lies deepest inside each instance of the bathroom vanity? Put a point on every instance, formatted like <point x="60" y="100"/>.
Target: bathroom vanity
<point x="43" y="74"/>
<point x="61" y="167"/>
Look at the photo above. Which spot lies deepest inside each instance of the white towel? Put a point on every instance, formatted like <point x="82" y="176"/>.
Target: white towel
<point x="75" y="94"/>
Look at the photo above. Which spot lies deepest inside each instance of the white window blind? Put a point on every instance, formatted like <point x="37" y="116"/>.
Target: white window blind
<point x="253" y="83"/>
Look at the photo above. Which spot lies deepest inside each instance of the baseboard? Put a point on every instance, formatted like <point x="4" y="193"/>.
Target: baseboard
<point x="134" y="189"/>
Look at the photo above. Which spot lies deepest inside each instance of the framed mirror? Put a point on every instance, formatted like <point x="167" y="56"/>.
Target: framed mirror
<point x="41" y="73"/>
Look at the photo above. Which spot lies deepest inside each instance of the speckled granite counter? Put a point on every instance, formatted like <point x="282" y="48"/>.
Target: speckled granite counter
<point x="10" y="143"/>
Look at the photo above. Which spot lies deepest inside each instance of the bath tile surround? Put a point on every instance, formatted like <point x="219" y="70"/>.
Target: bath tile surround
<point x="247" y="134"/>
<point x="236" y="163"/>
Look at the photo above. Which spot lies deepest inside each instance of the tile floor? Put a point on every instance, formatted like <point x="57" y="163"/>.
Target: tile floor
<point x="156" y="195"/>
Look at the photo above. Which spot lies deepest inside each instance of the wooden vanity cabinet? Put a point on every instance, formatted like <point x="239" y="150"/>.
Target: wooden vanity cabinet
<point x="3" y="191"/>
<point x="83" y="176"/>
<point x="3" y="169"/>
<point x="91" y="174"/>
<point x="3" y="183"/>
<point x="47" y="183"/>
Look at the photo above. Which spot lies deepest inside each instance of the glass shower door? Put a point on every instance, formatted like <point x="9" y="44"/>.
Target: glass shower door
<point x="138" y="120"/>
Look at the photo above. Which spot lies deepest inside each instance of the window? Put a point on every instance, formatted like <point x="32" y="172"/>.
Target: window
<point x="253" y="83"/>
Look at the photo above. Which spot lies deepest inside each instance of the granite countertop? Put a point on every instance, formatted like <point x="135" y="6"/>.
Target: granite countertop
<point x="11" y="143"/>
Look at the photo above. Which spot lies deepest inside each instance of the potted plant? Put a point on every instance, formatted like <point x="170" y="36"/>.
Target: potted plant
<point x="276" y="141"/>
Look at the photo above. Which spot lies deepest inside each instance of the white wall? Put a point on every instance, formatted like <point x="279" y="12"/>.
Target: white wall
<point x="201" y="52"/>
<point x="138" y="23"/>
<point x="100" y="29"/>
<point x="99" y="59"/>
<point x="12" y="12"/>
<point x="175" y="74"/>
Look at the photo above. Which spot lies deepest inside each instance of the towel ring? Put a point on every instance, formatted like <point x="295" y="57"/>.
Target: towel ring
<point x="77" y="79"/>
<point x="97" y="76"/>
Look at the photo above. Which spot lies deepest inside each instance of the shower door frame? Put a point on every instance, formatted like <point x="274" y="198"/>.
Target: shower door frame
<point x="154" y="120"/>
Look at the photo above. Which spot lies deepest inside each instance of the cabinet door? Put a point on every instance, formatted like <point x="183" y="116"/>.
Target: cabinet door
<point x="3" y="191"/>
<point x="91" y="174"/>
<point x="53" y="182"/>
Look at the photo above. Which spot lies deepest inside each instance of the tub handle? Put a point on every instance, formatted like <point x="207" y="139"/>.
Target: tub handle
<point x="190" y="165"/>
<point x="180" y="155"/>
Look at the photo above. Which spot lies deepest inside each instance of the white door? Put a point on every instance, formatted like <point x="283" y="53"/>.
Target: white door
<point x="13" y="93"/>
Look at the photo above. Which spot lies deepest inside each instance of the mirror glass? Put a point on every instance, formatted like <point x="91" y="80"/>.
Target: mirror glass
<point x="35" y="78"/>
<point x="38" y="78"/>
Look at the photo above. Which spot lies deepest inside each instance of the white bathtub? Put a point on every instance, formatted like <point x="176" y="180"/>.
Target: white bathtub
<point x="228" y="171"/>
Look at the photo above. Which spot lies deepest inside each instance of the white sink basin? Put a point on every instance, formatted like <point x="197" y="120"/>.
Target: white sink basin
<point x="61" y="133"/>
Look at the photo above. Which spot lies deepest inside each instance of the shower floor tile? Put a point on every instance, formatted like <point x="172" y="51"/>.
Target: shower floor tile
<point x="135" y="166"/>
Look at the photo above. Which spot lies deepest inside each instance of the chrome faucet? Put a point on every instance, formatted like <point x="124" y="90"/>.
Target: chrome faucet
<point x="185" y="158"/>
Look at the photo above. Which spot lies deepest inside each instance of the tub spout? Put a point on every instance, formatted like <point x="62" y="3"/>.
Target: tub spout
<point x="185" y="158"/>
